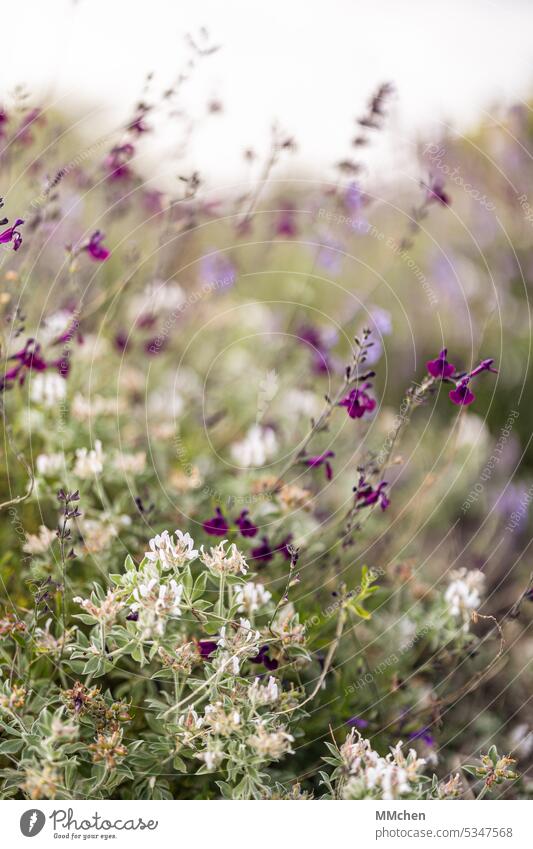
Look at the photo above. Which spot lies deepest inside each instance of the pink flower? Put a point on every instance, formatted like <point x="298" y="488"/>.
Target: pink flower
<point x="440" y="367"/>
<point x="358" y="402"/>
<point x="12" y="235"/>
<point x="95" y="248"/>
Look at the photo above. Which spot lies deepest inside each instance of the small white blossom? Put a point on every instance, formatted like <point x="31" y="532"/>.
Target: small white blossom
<point x="222" y="562"/>
<point x="48" y="389"/>
<point x="41" y="542"/>
<point x="271" y="744"/>
<point x="251" y="597"/>
<point x="263" y="694"/>
<point x="464" y="593"/>
<point x="49" y="465"/>
<point x="171" y="553"/>
<point x="89" y="462"/>
<point x="258" y="446"/>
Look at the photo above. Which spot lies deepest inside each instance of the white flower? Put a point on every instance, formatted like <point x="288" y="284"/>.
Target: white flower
<point x="49" y="464"/>
<point x="48" y="389"/>
<point x="373" y="776"/>
<point x="258" y="446"/>
<point x="212" y="758"/>
<point x="39" y="544"/>
<point x="272" y="745"/>
<point x="133" y="464"/>
<point x="89" y="462"/>
<point x="56" y="325"/>
<point x="263" y="694"/>
<point x="155" y="603"/>
<point x="250" y="597"/>
<point x="169" y="552"/>
<point x="464" y="593"/>
<point x="222" y="562"/>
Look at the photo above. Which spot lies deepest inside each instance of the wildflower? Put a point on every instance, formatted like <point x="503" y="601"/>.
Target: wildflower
<point x="133" y="464"/>
<point x="319" y="343"/>
<point x="250" y="597"/>
<point x="41" y="783"/>
<point x="463" y="594"/>
<point x="212" y="756"/>
<point x="221" y="722"/>
<point x="357" y="722"/>
<point x="263" y="552"/>
<point x="263" y="694"/>
<point x="95" y="248"/>
<point x="171" y="552"/>
<point x="440" y="367"/>
<point x="108" y="609"/>
<point x="245" y="525"/>
<point x="49" y="465"/>
<point x="96" y="535"/>
<point x="271" y="744"/>
<point x="183" y="658"/>
<point x="264" y="658"/>
<point x="287" y="626"/>
<point x="435" y="192"/>
<point x="366" y="495"/>
<point x="207" y="647"/>
<point x="217" y="526"/>
<point x="374" y="776"/>
<point x="27" y="359"/>
<point x="218" y="270"/>
<point x="117" y="162"/>
<point x="80" y="699"/>
<point x="13" y="698"/>
<point x="12" y="234"/>
<point x="358" y="402"/>
<point x="41" y="542"/>
<point x="258" y="446"/>
<point x="462" y="395"/>
<point x="10" y="625"/>
<point x="321" y="460"/>
<point x="450" y="789"/>
<point x="155" y="603"/>
<point x="48" y="389"/>
<point x="286" y="222"/>
<point x="293" y="497"/>
<point x="222" y="562"/>
<point x="109" y="749"/>
<point x="238" y="641"/>
<point x="89" y="462"/>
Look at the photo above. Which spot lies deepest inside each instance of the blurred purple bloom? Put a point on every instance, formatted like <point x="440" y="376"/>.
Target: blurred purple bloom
<point x="217" y="269"/>
<point x="367" y="496"/>
<point x="117" y="162"/>
<point x="95" y="248"/>
<point x="319" y="460"/>
<point x="286" y="223"/>
<point x="263" y="552"/>
<point x="424" y="735"/>
<point x="217" y="526"/>
<point x="357" y="722"/>
<point x="245" y="525"/>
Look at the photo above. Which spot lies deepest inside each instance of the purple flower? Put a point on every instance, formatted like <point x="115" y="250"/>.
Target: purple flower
<point x="319" y="460"/>
<point x="133" y="616"/>
<point x="424" y="735"/>
<point x="218" y="270"/>
<point x="320" y="348"/>
<point x="27" y="359"/>
<point x="440" y="367"/>
<point x="12" y="234"/>
<point x="117" y="163"/>
<point x="264" y="658"/>
<point x="436" y="193"/>
<point x="462" y="395"/>
<point x="358" y="402"/>
<point x="286" y="223"/>
<point x="207" y="647"/>
<point x="94" y="247"/>
<point x="367" y="496"/>
<point x="245" y="525"/>
<point x="263" y="552"/>
<point x="217" y="525"/>
<point x="357" y="722"/>
<point x="283" y="547"/>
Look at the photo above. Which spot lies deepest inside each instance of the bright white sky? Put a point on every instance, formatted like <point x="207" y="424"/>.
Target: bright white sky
<point x="311" y="64"/>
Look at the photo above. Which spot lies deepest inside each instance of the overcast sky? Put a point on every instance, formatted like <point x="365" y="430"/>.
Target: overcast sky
<point x="308" y="63"/>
